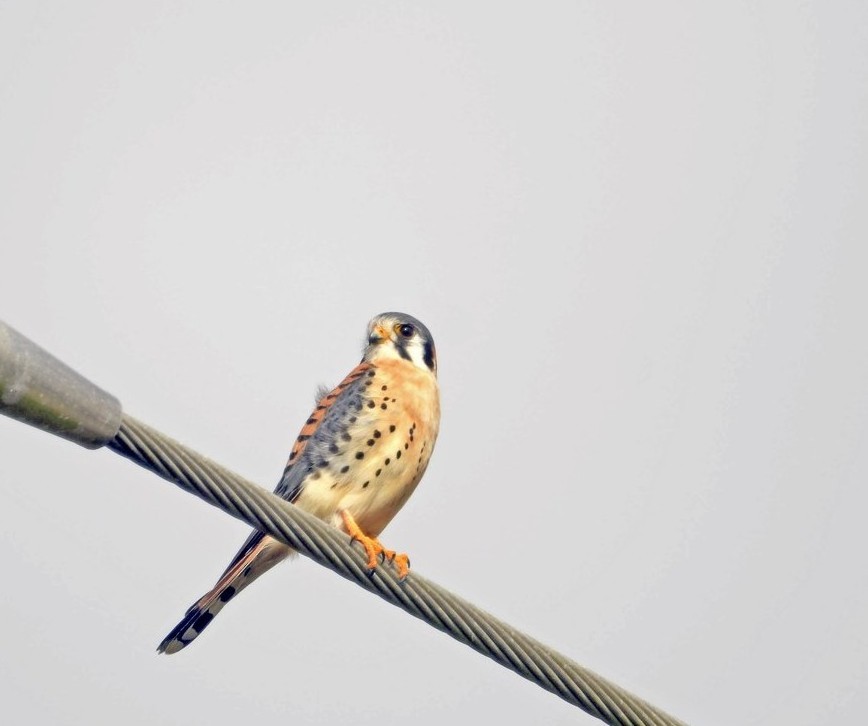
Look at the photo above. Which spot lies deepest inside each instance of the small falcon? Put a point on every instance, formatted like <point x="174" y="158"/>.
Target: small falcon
<point x="355" y="463"/>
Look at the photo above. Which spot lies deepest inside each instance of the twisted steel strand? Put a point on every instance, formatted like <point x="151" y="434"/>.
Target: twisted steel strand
<point x="416" y="595"/>
<point x="38" y="389"/>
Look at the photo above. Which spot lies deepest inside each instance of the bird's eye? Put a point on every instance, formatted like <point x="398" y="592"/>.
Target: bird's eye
<point x="405" y="330"/>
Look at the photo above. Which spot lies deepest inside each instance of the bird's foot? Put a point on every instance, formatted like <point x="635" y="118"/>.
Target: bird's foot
<point x="374" y="548"/>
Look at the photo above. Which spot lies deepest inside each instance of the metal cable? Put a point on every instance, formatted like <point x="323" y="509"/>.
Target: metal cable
<point x="416" y="595"/>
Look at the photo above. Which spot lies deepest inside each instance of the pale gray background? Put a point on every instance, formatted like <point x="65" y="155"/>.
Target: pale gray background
<point x="638" y="234"/>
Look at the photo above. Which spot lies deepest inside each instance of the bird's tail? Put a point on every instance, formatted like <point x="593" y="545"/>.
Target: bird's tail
<point x="258" y="555"/>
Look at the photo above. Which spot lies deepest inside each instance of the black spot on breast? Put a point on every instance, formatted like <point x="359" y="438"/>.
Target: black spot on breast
<point x="353" y="419"/>
<point x="360" y="454"/>
<point x="386" y="462"/>
<point x="344" y="469"/>
<point x="383" y="406"/>
<point x="398" y="454"/>
<point x="322" y="463"/>
<point x="377" y="434"/>
<point x="370" y="442"/>
<point x="371" y="374"/>
<point x="377" y="472"/>
<point x="227" y="594"/>
<point x="392" y="429"/>
<point x="365" y="485"/>
<point x="346" y="437"/>
<point x="384" y="388"/>
<point x="333" y="448"/>
<point x="406" y="446"/>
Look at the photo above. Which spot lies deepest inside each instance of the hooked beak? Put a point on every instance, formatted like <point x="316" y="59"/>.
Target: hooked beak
<point x="378" y="335"/>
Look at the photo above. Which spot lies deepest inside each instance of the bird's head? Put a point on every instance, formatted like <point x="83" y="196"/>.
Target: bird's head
<point x="400" y="336"/>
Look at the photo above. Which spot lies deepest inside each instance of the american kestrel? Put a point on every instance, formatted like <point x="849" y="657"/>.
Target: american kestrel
<point x="355" y="463"/>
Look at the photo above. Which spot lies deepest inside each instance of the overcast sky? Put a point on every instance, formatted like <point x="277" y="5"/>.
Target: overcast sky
<point x="637" y="232"/>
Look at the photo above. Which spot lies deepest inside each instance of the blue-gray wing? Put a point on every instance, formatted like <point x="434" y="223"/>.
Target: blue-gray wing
<point x="323" y="430"/>
<point x="327" y="424"/>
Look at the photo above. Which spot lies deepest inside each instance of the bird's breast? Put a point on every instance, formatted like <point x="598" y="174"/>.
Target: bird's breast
<point x="377" y="459"/>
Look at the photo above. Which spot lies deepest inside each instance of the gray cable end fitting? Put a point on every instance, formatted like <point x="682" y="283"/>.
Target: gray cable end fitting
<point x="39" y="390"/>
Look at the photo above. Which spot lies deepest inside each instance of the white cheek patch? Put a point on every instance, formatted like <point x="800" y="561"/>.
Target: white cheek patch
<point x="414" y="348"/>
<point x="388" y="351"/>
<point x="416" y="351"/>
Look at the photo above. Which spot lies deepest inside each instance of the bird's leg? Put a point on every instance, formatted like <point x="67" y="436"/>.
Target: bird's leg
<point x="374" y="547"/>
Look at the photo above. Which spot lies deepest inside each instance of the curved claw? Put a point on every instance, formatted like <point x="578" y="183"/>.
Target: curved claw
<point x="373" y="548"/>
<point x="402" y="562"/>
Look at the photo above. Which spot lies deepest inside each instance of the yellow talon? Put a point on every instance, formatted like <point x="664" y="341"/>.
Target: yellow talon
<point x="373" y="547"/>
